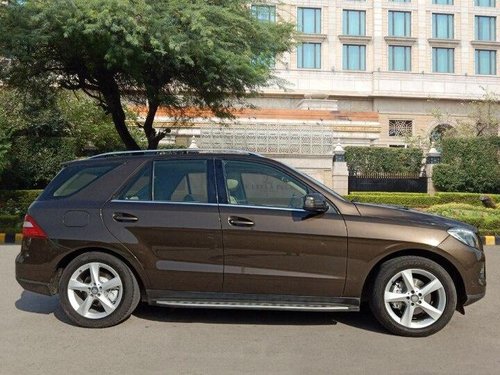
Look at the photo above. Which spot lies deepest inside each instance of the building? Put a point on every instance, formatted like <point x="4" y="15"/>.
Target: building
<point x="367" y="73"/>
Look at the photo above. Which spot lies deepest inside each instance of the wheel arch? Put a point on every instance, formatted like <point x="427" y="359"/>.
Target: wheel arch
<point x="63" y="263"/>
<point x="438" y="258"/>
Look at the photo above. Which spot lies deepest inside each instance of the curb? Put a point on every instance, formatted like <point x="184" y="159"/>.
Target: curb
<point x="10" y="238"/>
<point x="491" y="240"/>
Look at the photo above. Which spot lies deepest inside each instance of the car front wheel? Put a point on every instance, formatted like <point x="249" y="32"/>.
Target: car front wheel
<point x="413" y="296"/>
<point x="98" y="290"/>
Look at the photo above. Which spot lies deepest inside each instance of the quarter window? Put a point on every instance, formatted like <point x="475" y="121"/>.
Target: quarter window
<point x="256" y="184"/>
<point x="73" y="179"/>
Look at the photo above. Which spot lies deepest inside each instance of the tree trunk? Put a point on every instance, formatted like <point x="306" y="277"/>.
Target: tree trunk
<point x="111" y="93"/>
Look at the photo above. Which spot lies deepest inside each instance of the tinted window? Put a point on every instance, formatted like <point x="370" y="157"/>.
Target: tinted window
<point x="73" y="179"/>
<point x="180" y="181"/>
<point x="140" y="187"/>
<point x="257" y="184"/>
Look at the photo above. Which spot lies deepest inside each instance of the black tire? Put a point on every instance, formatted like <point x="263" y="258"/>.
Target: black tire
<point x="130" y="291"/>
<point x="387" y="272"/>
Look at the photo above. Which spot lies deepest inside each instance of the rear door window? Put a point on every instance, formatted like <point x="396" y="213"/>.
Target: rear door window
<point x="180" y="181"/>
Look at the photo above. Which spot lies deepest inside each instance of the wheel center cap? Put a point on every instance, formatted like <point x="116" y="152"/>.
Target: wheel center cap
<point x="414" y="298"/>
<point x="94" y="290"/>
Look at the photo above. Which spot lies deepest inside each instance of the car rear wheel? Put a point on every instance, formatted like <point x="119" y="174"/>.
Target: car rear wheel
<point x="413" y="296"/>
<point x="98" y="290"/>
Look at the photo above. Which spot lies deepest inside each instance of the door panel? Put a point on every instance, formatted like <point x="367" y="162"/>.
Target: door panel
<point x="173" y="228"/>
<point x="277" y="250"/>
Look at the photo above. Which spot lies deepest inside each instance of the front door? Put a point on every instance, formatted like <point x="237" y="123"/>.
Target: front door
<point x="168" y="218"/>
<point x="272" y="245"/>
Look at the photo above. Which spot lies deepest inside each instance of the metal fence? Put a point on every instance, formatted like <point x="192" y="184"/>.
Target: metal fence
<point x="387" y="182"/>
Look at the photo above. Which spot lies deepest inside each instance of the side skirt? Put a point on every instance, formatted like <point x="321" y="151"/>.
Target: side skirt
<point x="251" y="301"/>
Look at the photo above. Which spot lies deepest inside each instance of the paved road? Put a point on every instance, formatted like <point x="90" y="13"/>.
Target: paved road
<point x="36" y="338"/>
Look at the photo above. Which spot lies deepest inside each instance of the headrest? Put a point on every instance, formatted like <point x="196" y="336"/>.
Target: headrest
<point x="232" y="184"/>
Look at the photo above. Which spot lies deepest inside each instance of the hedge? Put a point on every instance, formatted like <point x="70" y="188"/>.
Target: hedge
<point x="16" y="202"/>
<point x="420" y="200"/>
<point x="10" y="224"/>
<point x="469" y="165"/>
<point x="486" y="219"/>
<point x="368" y="160"/>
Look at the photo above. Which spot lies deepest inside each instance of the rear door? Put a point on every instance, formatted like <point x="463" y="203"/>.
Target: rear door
<point x="168" y="217"/>
<point x="272" y="245"/>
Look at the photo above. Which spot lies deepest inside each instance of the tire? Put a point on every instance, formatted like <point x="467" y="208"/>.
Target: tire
<point x="103" y="303"/>
<point x="413" y="296"/>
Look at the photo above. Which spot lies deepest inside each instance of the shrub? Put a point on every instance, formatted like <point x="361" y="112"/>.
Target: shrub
<point x="486" y="219"/>
<point x="420" y="200"/>
<point x="469" y="165"/>
<point x="366" y="160"/>
<point x="10" y="224"/>
<point x="16" y="202"/>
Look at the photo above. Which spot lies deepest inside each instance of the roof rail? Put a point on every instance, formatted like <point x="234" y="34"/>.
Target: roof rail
<point x="181" y="151"/>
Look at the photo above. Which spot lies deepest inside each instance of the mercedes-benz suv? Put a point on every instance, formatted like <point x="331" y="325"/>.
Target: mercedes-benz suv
<point x="195" y="228"/>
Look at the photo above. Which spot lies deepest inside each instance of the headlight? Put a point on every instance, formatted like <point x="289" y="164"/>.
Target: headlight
<point x="466" y="236"/>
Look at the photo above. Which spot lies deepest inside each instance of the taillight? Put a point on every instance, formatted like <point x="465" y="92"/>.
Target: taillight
<point x="31" y="229"/>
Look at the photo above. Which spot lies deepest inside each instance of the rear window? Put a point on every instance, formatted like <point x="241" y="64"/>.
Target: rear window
<point x="75" y="178"/>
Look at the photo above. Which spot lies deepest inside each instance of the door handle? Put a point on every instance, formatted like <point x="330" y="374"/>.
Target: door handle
<point x="124" y="217"/>
<point x="240" y="222"/>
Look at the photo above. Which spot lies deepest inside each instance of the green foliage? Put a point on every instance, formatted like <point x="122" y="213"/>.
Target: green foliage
<point x="10" y="224"/>
<point x="419" y="200"/>
<point x="35" y="161"/>
<point x="178" y="54"/>
<point x="486" y="219"/>
<point x="16" y="202"/>
<point x="366" y="160"/>
<point x="469" y="165"/>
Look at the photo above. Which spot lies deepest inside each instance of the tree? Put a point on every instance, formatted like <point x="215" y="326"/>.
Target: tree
<point x="182" y="55"/>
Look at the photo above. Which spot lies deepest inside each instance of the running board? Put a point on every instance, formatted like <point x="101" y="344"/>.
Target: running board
<point x="253" y="302"/>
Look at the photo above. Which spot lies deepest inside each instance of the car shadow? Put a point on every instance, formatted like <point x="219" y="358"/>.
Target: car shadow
<point x="40" y="304"/>
<point x="362" y="320"/>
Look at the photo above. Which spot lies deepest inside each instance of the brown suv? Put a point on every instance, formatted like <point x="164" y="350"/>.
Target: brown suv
<point x="240" y="231"/>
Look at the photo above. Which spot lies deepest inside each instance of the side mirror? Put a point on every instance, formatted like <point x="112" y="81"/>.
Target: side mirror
<point x="315" y="202"/>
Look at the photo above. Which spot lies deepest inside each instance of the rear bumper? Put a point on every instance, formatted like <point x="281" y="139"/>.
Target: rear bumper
<point x="36" y="286"/>
<point x="474" y="298"/>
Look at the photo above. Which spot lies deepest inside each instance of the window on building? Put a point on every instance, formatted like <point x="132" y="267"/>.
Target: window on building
<point x="486" y="28"/>
<point x="443" y="2"/>
<point x="400" y="128"/>
<point x="486" y="62"/>
<point x="354" y="22"/>
<point x="443" y="60"/>
<point x="442" y="26"/>
<point x="354" y="57"/>
<point x="399" y="23"/>
<point x="485" y="3"/>
<point x="264" y="12"/>
<point x="309" y="20"/>
<point x="401" y="1"/>
<point x="309" y="56"/>
<point x="400" y="58"/>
